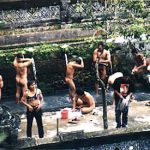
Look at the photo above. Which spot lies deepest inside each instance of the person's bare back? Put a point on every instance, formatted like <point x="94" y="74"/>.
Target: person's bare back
<point x="70" y="70"/>
<point x="83" y="100"/>
<point x="21" y="65"/>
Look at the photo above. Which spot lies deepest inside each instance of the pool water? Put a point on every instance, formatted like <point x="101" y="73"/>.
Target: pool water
<point x="61" y="98"/>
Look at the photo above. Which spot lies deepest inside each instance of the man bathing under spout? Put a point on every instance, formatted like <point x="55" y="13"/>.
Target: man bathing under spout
<point x="70" y="70"/>
<point x="20" y="63"/>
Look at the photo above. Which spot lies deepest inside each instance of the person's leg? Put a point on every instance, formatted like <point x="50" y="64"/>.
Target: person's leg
<point x="38" y="117"/>
<point x="72" y="89"/>
<point x="118" y="117"/>
<point x="104" y="76"/>
<point x="113" y="99"/>
<point x="29" y="123"/>
<point x="125" y="117"/>
<point x="103" y="72"/>
<point x="18" y="91"/>
<point x="24" y="87"/>
<point x="85" y="110"/>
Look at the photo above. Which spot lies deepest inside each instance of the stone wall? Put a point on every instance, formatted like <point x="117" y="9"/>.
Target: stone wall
<point x="39" y="37"/>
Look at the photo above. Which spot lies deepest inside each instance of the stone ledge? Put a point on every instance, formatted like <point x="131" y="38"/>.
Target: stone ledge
<point x="47" y="36"/>
<point x="80" y="135"/>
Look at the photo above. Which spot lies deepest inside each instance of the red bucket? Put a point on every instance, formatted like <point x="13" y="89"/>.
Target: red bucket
<point x="64" y="114"/>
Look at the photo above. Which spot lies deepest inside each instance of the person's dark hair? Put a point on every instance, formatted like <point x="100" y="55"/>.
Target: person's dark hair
<point x="19" y="55"/>
<point x="30" y="83"/>
<point x="80" y="92"/>
<point x="101" y="43"/>
<point x="134" y="50"/>
<point x="127" y="73"/>
<point x="78" y="60"/>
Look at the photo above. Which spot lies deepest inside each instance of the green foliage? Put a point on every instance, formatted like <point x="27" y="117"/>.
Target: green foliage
<point x="135" y="6"/>
<point x="134" y="30"/>
<point x="2" y="24"/>
<point x="3" y="136"/>
<point x="48" y="51"/>
<point x="79" y="7"/>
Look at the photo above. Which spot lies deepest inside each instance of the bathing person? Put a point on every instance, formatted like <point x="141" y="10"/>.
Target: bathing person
<point x="33" y="100"/>
<point x="140" y="61"/>
<point x="84" y="101"/>
<point x="1" y="86"/>
<point x="111" y="81"/>
<point x="103" y="58"/>
<point x="20" y="63"/>
<point x="70" y="70"/>
<point x="123" y="88"/>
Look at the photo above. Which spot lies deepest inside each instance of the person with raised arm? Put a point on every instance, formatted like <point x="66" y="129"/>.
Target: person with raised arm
<point x="21" y="64"/>
<point x="77" y="63"/>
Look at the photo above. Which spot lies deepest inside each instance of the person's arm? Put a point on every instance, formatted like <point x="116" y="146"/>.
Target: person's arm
<point x="143" y="65"/>
<point x="131" y="87"/>
<point x="27" y="62"/>
<point x="79" y="65"/>
<point x="91" y="101"/>
<point x="15" y="62"/>
<point x="40" y="96"/>
<point x="24" y="101"/>
<point x="94" y="56"/>
<point x="26" y="59"/>
<point x="119" y="94"/>
<point x="82" y="63"/>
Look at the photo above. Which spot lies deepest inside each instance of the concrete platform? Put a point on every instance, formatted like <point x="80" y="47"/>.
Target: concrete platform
<point x="88" y="126"/>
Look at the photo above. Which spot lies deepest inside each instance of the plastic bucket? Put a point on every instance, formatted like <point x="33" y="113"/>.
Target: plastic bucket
<point x="64" y="114"/>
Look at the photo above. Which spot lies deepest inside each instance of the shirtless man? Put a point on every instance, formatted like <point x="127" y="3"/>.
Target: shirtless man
<point x="70" y="70"/>
<point x="140" y="63"/>
<point x="1" y="86"/>
<point x="84" y="101"/>
<point x="104" y="59"/>
<point x="21" y="64"/>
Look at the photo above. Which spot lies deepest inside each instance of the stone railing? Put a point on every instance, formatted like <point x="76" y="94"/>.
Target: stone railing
<point x="30" y="15"/>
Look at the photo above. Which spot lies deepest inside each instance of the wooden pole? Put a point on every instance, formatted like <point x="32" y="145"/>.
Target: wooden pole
<point x="102" y="85"/>
<point x="57" y="126"/>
